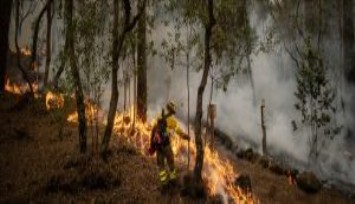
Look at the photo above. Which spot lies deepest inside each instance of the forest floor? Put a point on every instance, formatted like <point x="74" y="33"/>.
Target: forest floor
<point x="37" y="165"/>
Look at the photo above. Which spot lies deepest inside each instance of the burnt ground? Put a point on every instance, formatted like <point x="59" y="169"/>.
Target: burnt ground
<point x="37" y="164"/>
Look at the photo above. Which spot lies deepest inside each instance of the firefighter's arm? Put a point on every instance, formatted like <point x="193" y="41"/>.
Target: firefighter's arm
<point x="181" y="132"/>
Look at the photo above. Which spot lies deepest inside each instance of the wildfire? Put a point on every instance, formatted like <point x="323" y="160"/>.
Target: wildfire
<point x="218" y="173"/>
<point x="54" y="101"/>
<point x="90" y="110"/>
<point x="20" y="89"/>
<point x="290" y="179"/>
<point x="26" y="51"/>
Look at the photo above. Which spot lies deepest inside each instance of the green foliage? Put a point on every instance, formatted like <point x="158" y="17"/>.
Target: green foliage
<point x="232" y="38"/>
<point x="315" y="99"/>
<point x="93" y="59"/>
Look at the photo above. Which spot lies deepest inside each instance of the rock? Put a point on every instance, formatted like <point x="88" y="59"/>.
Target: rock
<point x="308" y="182"/>
<point x="244" y="183"/>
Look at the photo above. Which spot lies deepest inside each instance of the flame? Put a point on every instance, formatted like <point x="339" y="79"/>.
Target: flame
<point x="26" y="51"/>
<point x="290" y="179"/>
<point x="54" y="101"/>
<point x="218" y="173"/>
<point x="20" y="89"/>
<point x="12" y="88"/>
<point x="90" y="110"/>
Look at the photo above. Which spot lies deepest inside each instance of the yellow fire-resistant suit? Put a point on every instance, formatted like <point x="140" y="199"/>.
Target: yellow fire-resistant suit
<point x="166" y="152"/>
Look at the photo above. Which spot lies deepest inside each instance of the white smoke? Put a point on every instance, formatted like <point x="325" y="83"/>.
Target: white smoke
<point x="274" y="81"/>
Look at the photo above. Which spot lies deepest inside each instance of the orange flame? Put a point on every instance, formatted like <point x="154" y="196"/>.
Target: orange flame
<point x="54" y="101"/>
<point x="218" y="173"/>
<point x="90" y="110"/>
<point x="290" y="179"/>
<point x="20" y="89"/>
<point x="26" y="51"/>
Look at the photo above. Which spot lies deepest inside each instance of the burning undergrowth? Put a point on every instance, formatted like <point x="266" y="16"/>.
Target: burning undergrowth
<point x="40" y="169"/>
<point x="218" y="173"/>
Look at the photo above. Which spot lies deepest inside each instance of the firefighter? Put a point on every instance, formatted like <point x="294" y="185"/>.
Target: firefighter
<point x="166" y="126"/>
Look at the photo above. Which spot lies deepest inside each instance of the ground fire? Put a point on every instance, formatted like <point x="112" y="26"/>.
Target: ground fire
<point x="218" y="173"/>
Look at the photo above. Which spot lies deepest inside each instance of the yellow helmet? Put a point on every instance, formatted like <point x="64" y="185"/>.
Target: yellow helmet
<point x="171" y="107"/>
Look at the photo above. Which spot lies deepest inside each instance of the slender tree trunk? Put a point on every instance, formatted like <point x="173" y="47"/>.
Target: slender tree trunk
<point x="35" y="34"/>
<point x="309" y="17"/>
<point x="124" y="72"/>
<point x="61" y="67"/>
<point x="349" y="47"/>
<point x="117" y="47"/>
<point x="76" y="77"/>
<point x="201" y="89"/>
<point x="142" y="69"/>
<point x="5" y="14"/>
<point x="114" y="88"/>
<point x="134" y="101"/>
<point x="49" y="43"/>
<point x="263" y="127"/>
<point x="18" y="51"/>
<point x="349" y="55"/>
<point x="188" y="90"/>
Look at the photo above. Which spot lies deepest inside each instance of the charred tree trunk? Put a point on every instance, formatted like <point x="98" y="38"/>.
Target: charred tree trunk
<point x="118" y="40"/>
<point x="76" y="76"/>
<point x="49" y="44"/>
<point x="201" y="89"/>
<point x="142" y="69"/>
<point x="5" y="13"/>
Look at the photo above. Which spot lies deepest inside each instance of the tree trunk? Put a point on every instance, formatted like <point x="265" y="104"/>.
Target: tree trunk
<point x="49" y="44"/>
<point x="114" y="88"/>
<point x="263" y="127"/>
<point x="76" y="77"/>
<point x="201" y="89"/>
<point x="35" y="34"/>
<point x="188" y="90"/>
<point x="61" y="67"/>
<point x="117" y="47"/>
<point x="349" y="51"/>
<point x="5" y="13"/>
<point x="18" y="51"/>
<point x="142" y="69"/>
<point x="309" y="17"/>
<point x="349" y="55"/>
